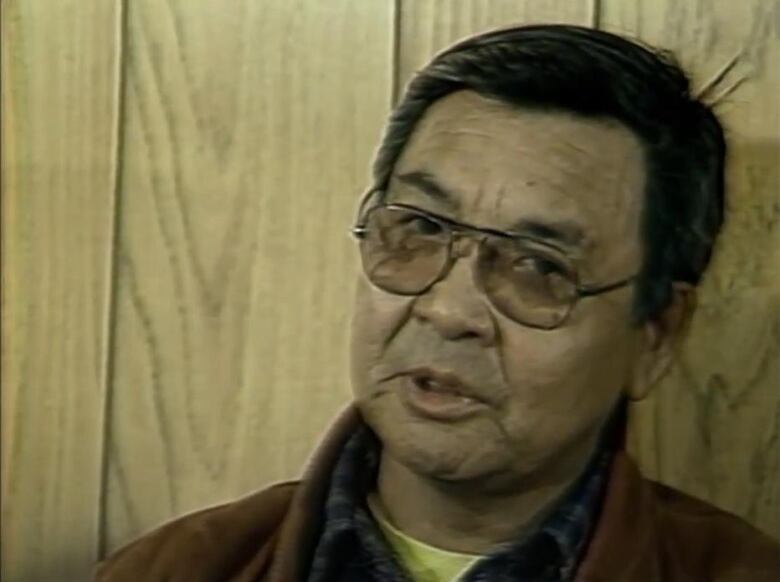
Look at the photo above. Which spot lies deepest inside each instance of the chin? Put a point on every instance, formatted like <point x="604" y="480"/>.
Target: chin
<point x="449" y="452"/>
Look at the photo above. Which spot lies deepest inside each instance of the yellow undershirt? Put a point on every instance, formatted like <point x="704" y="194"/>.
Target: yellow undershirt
<point x="423" y="562"/>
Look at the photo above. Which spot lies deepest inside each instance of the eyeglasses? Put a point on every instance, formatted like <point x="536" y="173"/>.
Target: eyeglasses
<point x="405" y="251"/>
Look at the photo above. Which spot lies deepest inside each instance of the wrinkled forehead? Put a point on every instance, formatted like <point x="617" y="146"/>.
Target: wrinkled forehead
<point x="493" y="164"/>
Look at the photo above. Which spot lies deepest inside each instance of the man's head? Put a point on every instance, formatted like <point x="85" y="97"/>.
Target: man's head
<point x="489" y="357"/>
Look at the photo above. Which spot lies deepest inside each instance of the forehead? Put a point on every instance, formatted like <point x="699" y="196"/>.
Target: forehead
<point x="498" y="164"/>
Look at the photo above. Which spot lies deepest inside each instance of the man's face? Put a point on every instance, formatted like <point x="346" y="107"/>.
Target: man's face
<point x="537" y="397"/>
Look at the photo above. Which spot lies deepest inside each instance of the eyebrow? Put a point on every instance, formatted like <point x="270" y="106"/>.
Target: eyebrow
<point x="427" y="183"/>
<point x="563" y="233"/>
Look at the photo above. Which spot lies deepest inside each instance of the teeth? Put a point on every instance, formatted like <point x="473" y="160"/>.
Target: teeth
<point x="432" y="385"/>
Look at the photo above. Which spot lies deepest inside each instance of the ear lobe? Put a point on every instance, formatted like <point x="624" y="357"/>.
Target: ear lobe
<point x="651" y="366"/>
<point x="662" y="337"/>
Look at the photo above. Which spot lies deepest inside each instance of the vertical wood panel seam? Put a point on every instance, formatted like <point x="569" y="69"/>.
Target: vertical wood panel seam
<point x="595" y="13"/>
<point x="395" y="56"/>
<point x="110" y="319"/>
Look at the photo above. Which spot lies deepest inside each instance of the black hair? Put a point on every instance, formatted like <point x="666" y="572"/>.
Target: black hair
<point x="599" y="75"/>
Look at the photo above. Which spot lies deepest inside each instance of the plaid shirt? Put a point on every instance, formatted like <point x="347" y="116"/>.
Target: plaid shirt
<point x="351" y="547"/>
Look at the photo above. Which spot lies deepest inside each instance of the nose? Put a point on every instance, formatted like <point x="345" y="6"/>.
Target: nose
<point x="455" y="306"/>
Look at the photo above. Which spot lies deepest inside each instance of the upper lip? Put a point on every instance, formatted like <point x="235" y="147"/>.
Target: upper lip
<point x="445" y="378"/>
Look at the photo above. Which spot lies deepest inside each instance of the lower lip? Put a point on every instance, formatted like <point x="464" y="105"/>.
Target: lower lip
<point x="437" y="405"/>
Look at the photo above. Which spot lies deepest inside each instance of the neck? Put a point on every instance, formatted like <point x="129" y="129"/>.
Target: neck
<point x="465" y="517"/>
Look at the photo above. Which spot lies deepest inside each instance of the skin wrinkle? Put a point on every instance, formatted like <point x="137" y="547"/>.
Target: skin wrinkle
<point x="467" y="485"/>
<point x="432" y="195"/>
<point x="557" y="181"/>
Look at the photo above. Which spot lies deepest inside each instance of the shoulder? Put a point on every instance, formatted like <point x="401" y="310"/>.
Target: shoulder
<point x="217" y="540"/>
<point x="697" y="537"/>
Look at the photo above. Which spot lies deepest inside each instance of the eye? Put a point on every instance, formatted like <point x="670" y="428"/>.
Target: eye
<point x="540" y="265"/>
<point x="419" y="224"/>
<point x="541" y="280"/>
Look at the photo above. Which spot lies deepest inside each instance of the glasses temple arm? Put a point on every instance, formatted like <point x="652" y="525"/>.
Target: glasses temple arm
<point x="591" y="291"/>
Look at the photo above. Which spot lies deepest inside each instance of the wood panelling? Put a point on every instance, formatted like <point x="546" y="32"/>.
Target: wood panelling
<point x="427" y="26"/>
<point x="60" y="66"/>
<point x="247" y="143"/>
<point x="216" y="339"/>
<point x="713" y="427"/>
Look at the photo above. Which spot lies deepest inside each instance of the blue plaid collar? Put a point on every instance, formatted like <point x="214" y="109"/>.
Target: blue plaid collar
<point x="351" y="546"/>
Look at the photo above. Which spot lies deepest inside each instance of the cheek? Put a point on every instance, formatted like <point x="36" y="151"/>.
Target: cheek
<point x="376" y="318"/>
<point x="572" y="375"/>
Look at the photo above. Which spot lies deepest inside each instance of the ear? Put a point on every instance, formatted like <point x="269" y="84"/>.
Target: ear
<point x="660" y="340"/>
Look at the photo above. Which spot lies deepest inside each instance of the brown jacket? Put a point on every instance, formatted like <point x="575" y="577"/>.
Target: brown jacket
<point x="646" y="533"/>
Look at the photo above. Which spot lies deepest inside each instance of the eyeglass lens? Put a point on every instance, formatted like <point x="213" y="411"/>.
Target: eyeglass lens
<point x="405" y="252"/>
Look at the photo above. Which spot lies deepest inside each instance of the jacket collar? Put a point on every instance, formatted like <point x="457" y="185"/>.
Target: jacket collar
<point x="622" y="549"/>
<point x="299" y="531"/>
<point x="624" y="543"/>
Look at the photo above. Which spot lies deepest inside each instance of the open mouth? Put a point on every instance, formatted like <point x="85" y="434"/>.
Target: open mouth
<point x="430" y="385"/>
<point x="438" y="396"/>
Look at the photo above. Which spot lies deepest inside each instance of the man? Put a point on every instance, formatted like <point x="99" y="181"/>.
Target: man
<point x="545" y="201"/>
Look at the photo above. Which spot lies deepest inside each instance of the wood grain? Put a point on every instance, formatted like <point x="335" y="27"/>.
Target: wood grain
<point x="713" y="427"/>
<point x="248" y="137"/>
<point x="60" y="76"/>
<point x="427" y="26"/>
